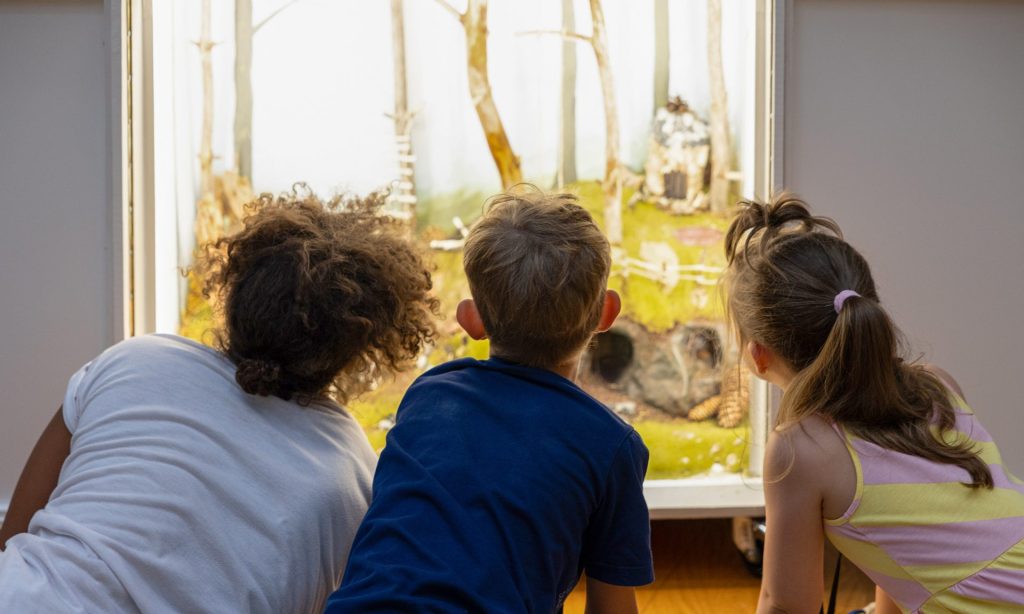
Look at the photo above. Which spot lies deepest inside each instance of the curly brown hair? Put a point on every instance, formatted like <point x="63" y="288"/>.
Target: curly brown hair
<point x="318" y="298"/>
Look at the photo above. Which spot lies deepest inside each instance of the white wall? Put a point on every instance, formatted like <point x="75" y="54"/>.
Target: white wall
<point x="903" y="120"/>
<point x="56" y="264"/>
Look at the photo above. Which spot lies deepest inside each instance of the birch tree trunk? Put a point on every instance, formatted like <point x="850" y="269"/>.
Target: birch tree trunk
<point x="612" y="183"/>
<point x="567" y="140"/>
<point x="206" y="135"/>
<point x="474" y="21"/>
<point x="406" y="192"/>
<point x="721" y="150"/>
<point x="243" y="87"/>
<point x="661" y="53"/>
<point x="402" y="119"/>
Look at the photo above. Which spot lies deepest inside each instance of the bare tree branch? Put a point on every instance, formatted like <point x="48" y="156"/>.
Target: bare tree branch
<point x="474" y="23"/>
<point x="275" y="13"/>
<point x="563" y="33"/>
<point x="451" y="9"/>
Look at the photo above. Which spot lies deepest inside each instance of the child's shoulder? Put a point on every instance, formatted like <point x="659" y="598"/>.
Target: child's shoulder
<point x="156" y="344"/>
<point x="157" y="354"/>
<point x="804" y="446"/>
<point x="529" y="389"/>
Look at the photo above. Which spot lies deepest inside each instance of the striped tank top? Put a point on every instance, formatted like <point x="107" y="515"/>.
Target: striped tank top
<point x="931" y="543"/>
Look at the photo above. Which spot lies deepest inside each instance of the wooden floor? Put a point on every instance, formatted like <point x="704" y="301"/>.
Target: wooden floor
<point x="699" y="571"/>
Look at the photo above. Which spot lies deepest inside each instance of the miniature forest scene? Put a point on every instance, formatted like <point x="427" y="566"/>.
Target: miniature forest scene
<point x="644" y="110"/>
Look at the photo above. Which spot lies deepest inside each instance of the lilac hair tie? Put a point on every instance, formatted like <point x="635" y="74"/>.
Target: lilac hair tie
<point x="840" y="298"/>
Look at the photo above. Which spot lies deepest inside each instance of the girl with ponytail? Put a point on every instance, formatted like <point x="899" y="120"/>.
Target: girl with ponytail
<point x="881" y="455"/>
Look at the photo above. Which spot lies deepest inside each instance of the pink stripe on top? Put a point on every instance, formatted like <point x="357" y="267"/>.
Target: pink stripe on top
<point x="1005" y="585"/>
<point x="881" y="466"/>
<point x="960" y="542"/>
<point x="909" y="520"/>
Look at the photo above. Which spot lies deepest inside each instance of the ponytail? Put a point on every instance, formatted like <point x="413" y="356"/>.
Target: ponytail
<point x="787" y="267"/>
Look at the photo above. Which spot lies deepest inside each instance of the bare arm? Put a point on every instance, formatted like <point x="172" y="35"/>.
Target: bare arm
<point x="884" y="603"/>
<point x="794" y="544"/>
<point x="38" y="478"/>
<point x="605" y="598"/>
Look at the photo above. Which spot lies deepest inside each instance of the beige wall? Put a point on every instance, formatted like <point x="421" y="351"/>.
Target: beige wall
<point x="56" y="260"/>
<point x="904" y="120"/>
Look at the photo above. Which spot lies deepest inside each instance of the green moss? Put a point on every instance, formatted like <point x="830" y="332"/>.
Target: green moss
<point x="375" y="406"/>
<point x="681" y="448"/>
<point x="199" y="318"/>
<point x="438" y="210"/>
<point x="645" y="301"/>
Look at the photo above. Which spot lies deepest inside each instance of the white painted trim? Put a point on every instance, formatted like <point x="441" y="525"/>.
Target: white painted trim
<point x="116" y="144"/>
<point x="719" y="496"/>
<point x="782" y="23"/>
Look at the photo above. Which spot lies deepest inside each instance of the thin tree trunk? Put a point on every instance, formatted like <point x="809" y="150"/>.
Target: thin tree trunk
<point x="402" y="122"/>
<point x="243" y="87"/>
<point x="661" y="53"/>
<point x="406" y="192"/>
<point x="567" y="142"/>
<point x="475" y="23"/>
<point x="612" y="183"/>
<point x="721" y="150"/>
<point x="206" y="136"/>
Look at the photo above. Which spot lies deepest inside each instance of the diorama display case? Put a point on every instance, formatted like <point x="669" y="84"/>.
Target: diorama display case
<point x="658" y="115"/>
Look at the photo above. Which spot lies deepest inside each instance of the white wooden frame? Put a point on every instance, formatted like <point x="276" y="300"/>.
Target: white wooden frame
<point x="720" y="495"/>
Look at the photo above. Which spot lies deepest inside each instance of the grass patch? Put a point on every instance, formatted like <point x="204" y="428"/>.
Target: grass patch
<point x="682" y="449"/>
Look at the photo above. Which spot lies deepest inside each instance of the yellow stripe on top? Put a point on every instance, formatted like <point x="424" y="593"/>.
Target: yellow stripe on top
<point x="931" y="542"/>
<point x="917" y="504"/>
<point x="857" y="550"/>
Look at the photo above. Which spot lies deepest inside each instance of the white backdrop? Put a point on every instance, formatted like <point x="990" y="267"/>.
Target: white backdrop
<point x="323" y="80"/>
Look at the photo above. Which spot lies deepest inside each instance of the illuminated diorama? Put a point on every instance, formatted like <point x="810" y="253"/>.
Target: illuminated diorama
<point x="645" y="110"/>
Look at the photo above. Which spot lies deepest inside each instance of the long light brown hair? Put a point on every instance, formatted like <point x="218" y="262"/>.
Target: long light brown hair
<point x="785" y="268"/>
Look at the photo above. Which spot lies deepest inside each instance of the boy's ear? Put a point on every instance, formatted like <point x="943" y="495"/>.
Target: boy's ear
<point x="610" y="311"/>
<point x="468" y="317"/>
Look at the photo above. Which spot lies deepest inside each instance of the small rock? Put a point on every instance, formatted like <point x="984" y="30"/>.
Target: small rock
<point x="625" y="408"/>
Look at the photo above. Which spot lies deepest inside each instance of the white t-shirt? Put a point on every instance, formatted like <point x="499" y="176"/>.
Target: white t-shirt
<point x="182" y="493"/>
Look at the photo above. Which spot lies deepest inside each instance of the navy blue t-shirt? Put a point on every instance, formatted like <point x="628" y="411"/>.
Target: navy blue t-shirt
<point x="498" y="486"/>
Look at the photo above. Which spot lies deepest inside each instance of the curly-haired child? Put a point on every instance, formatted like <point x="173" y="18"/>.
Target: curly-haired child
<point x="502" y="480"/>
<point x="882" y="456"/>
<point x="181" y="478"/>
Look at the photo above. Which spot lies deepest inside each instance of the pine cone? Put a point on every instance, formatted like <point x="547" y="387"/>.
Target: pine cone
<point x="706" y="408"/>
<point x="736" y="396"/>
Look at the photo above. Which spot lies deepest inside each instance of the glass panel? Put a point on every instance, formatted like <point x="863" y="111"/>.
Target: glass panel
<point x="255" y="95"/>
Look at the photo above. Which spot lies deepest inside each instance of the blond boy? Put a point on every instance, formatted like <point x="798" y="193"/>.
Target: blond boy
<point x="502" y="481"/>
